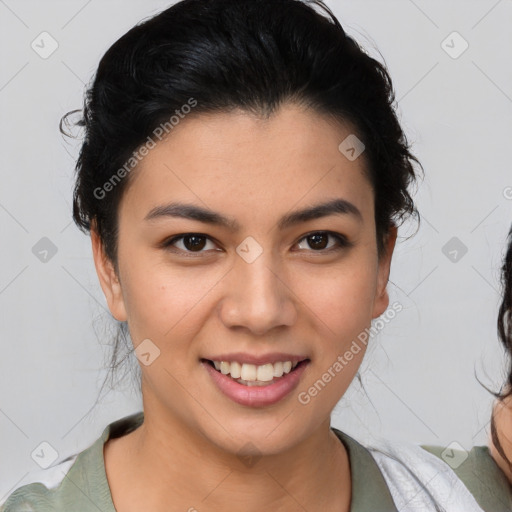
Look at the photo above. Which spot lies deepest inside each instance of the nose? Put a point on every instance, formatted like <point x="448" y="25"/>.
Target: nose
<point x="258" y="296"/>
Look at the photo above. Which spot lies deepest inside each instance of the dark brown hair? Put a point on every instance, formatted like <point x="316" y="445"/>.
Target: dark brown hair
<point x="505" y="336"/>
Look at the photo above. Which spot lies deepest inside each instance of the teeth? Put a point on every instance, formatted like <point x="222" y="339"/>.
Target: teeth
<point x="248" y="372"/>
<point x="224" y="367"/>
<point x="278" y="369"/>
<point x="252" y="382"/>
<point x="265" y="373"/>
<point x="253" y="375"/>
<point x="236" y="370"/>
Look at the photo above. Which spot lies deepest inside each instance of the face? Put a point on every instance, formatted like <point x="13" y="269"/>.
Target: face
<point x="265" y="285"/>
<point x="503" y="420"/>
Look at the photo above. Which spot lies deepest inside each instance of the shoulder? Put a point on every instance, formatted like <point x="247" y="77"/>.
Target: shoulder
<point x="479" y="473"/>
<point x="419" y="480"/>
<point x="40" y="494"/>
<point x="369" y="488"/>
<point x="78" y="482"/>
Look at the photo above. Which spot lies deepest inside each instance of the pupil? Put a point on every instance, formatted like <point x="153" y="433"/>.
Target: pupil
<point x="317" y="244"/>
<point x="197" y="242"/>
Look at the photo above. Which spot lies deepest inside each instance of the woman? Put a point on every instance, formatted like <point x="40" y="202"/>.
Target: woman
<point x="242" y="178"/>
<point x="484" y="477"/>
<point x="501" y="421"/>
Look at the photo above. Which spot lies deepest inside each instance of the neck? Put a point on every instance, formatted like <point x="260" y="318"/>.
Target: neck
<point x="163" y="462"/>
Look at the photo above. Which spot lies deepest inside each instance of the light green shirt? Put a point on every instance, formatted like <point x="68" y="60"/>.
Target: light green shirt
<point x="84" y="486"/>
<point x="483" y="478"/>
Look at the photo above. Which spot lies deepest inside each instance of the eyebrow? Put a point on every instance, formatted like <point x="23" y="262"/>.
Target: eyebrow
<point x="193" y="212"/>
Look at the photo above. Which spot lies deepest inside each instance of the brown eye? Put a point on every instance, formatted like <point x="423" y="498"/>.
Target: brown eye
<point x="318" y="241"/>
<point x="190" y="243"/>
<point x="194" y="242"/>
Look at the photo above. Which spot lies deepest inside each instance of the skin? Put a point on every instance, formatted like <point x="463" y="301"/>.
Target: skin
<point x="293" y="298"/>
<point x="503" y="420"/>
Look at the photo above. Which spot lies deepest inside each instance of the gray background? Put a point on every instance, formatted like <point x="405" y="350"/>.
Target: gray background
<point x="419" y="374"/>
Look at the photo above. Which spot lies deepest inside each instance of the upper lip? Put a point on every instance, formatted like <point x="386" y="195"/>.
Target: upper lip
<point x="242" y="358"/>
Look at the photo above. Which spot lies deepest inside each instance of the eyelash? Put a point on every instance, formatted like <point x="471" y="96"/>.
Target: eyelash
<point x="343" y="243"/>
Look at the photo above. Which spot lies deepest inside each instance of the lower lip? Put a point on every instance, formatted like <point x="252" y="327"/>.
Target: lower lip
<point x="257" y="396"/>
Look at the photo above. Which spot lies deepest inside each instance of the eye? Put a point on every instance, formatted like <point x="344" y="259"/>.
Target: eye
<point x="319" y="239"/>
<point x="195" y="243"/>
<point x="190" y="243"/>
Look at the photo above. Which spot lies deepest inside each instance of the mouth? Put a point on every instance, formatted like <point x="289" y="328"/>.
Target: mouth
<point x="256" y="375"/>
<point x="254" y="385"/>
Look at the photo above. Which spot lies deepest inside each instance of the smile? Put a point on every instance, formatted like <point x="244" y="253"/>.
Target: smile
<point x="255" y="385"/>
<point x="254" y="375"/>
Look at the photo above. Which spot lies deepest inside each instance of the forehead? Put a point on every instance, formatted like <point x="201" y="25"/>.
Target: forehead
<point x="227" y="160"/>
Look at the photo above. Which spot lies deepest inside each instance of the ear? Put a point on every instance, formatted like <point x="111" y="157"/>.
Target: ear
<point x="381" y="302"/>
<point x="109" y="280"/>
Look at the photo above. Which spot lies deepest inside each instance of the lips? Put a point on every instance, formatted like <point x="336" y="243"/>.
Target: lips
<point x="255" y="393"/>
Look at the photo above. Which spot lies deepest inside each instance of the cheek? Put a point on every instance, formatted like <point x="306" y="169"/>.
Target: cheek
<point x="165" y="301"/>
<point x="162" y="301"/>
<point x="341" y="299"/>
<point x="339" y="309"/>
